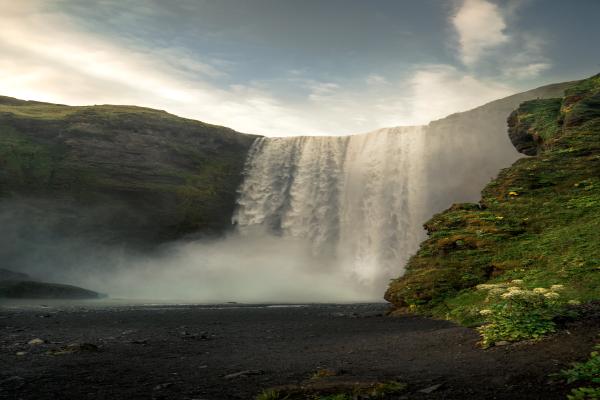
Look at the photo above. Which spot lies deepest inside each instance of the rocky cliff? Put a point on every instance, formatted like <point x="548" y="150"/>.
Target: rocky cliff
<point x="537" y="221"/>
<point x="114" y="173"/>
<point x="469" y="148"/>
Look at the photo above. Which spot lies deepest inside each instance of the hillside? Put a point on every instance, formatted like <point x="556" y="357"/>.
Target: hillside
<point x="114" y="173"/>
<point x="536" y="222"/>
<point x="469" y="148"/>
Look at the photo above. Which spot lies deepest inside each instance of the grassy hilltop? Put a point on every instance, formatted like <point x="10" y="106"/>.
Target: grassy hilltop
<point x="117" y="171"/>
<point x="538" y="221"/>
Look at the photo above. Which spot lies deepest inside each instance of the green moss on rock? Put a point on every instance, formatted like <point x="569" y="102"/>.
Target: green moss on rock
<point x="154" y="175"/>
<point x="538" y="221"/>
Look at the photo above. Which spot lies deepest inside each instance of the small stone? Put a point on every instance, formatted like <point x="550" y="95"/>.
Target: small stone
<point x="36" y="342"/>
<point x="21" y="353"/>
<point x="431" y="389"/>
<point x="163" y="386"/>
<point x="243" y="374"/>
<point x="502" y="343"/>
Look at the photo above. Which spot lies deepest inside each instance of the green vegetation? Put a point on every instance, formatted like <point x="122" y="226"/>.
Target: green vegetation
<point x="537" y="222"/>
<point x="167" y="175"/>
<point x="539" y="117"/>
<point x="270" y="394"/>
<point x="337" y="391"/>
<point x="24" y="163"/>
<point x="515" y="313"/>
<point x="584" y="373"/>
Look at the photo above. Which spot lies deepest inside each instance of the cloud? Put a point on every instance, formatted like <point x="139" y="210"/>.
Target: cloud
<point x="438" y="88"/>
<point x="480" y="26"/>
<point x="429" y="92"/>
<point x="46" y="56"/>
<point x="527" y="71"/>
<point x="528" y="60"/>
<point x="49" y="56"/>
<point x="375" y="79"/>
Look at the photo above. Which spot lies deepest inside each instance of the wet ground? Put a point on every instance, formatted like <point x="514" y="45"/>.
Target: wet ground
<point x="233" y="352"/>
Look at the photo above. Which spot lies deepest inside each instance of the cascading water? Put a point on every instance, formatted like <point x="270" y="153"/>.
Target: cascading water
<point x="356" y="200"/>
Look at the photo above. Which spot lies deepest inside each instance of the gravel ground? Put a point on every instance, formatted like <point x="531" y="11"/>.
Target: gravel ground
<point x="235" y="351"/>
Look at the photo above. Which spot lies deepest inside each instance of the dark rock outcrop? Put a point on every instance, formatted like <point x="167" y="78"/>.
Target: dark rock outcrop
<point x="8" y="275"/>
<point x="532" y="122"/>
<point x="116" y="174"/>
<point x="44" y="290"/>
<point x="536" y="222"/>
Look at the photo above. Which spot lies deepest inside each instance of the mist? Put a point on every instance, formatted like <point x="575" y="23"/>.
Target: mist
<point x="249" y="267"/>
<point x="319" y="219"/>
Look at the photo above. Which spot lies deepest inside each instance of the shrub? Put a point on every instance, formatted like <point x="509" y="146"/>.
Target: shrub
<point x="584" y="393"/>
<point x="587" y="373"/>
<point x="270" y="394"/>
<point x="516" y="313"/>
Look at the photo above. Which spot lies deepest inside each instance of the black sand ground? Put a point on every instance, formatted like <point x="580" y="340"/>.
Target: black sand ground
<point x="186" y="352"/>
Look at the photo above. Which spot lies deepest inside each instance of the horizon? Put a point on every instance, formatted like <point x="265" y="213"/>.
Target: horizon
<point x="287" y="69"/>
<point x="309" y="135"/>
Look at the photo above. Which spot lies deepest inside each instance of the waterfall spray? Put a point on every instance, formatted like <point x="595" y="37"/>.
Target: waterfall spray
<point x="357" y="200"/>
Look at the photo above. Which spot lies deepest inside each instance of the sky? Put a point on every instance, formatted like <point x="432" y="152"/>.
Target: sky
<point x="289" y="67"/>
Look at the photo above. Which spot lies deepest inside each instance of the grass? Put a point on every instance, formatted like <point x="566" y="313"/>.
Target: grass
<point x="537" y="222"/>
<point x="180" y="173"/>
<point x="341" y="391"/>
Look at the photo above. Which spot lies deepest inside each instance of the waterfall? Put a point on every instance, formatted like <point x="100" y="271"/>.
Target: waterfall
<point x="357" y="201"/>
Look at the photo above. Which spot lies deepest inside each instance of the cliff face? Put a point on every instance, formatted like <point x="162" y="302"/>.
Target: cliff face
<point x="469" y="148"/>
<point x="537" y="221"/>
<point x="115" y="173"/>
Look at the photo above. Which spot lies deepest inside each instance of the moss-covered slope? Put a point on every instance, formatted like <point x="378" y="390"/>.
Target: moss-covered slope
<point x="538" y="221"/>
<point x="117" y="171"/>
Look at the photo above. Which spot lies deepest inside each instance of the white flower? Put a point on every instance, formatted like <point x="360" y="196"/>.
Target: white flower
<point x="557" y="288"/>
<point x="487" y="286"/>
<point x="486" y="312"/>
<point x="516" y="282"/>
<point x="540" y="290"/>
<point x="574" y="302"/>
<point x="551" y="295"/>
<point x="515" y="293"/>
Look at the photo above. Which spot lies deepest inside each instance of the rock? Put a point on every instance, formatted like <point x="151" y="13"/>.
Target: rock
<point x="36" y="342"/>
<point x="8" y="275"/>
<point x="44" y="290"/>
<point x="243" y="374"/>
<point x="431" y="389"/>
<point x="119" y="173"/>
<point x="502" y="343"/>
<point x="163" y="386"/>
<point x="21" y="353"/>
<point x="524" y="141"/>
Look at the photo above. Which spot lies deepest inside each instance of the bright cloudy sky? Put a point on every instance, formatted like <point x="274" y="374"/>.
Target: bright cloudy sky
<point x="290" y="67"/>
